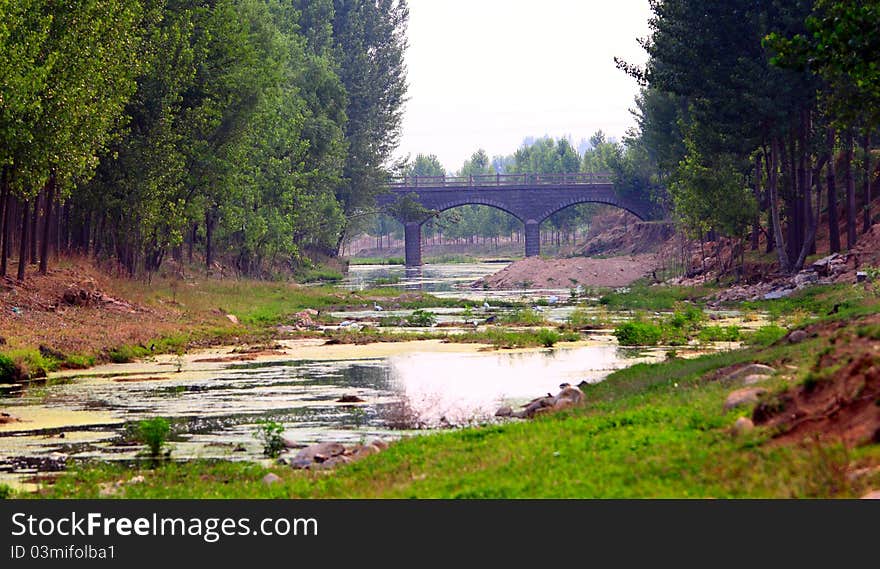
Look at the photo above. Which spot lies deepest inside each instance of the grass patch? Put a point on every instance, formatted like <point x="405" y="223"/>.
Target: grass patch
<point x="501" y="338"/>
<point x="641" y="296"/>
<point x="522" y="317"/>
<point x="376" y="261"/>
<point x="319" y="274"/>
<point x="720" y="334"/>
<point x="766" y="335"/>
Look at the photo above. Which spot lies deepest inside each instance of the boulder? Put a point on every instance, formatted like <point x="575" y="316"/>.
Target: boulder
<point x="320" y="452"/>
<point x="232" y="318"/>
<point x="379" y="444"/>
<point x="504" y="411"/>
<point x="778" y="293"/>
<point x="753" y="379"/>
<point x="271" y="478"/>
<point x="743" y="425"/>
<point x="797" y="337"/>
<point x="805" y="278"/>
<point x="744" y="372"/>
<point x="741" y="397"/>
<point x="572" y="395"/>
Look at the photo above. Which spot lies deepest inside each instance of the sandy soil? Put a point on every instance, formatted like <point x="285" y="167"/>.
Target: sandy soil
<point x="535" y="272"/>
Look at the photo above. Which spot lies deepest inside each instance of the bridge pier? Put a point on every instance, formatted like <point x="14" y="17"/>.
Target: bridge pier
<point x="533" y="238"/>
<point x="412" y="241"/>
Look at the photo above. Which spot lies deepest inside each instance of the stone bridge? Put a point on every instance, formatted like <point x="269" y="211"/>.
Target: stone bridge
<point x="531" y="198"/>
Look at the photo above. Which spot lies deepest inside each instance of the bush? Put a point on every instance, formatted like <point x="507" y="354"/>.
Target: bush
<point x="638" y="334"/>
<point x="766" y="335"/>
<point x="547" y="337"/>
<point x="422" y="318"/>
<point x="269" y="432"/>
<point x="5" y="491"/>
<point x="154" y="433"/>
<point x="8" y="369"/>
<point x="720" y="334"/>
<point x="126" y="354"/>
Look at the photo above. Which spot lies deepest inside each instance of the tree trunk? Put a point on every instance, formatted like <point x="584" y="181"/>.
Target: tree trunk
<point x="47" y="218"/>
<point x="209" y="233"/>
<point x="850" y="192"/>
<point x="4" y="205"/>
<point x="35" y="224"/>
<point x="756" y="189"/>
<point x="22" y="248"/>
<point x="773" y="188"/>
<point x="866" y="144"/>
<point x="831" y="181"/>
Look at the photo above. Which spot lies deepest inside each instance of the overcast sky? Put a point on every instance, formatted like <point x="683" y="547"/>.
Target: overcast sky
<point x="488" y="73"/>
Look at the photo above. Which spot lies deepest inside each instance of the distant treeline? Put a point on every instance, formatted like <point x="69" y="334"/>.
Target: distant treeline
<point x="237" y="130"/>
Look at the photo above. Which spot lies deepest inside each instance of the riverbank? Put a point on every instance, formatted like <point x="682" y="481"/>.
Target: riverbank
<point x="658" y="430"/>
<point x="698" y="427"/>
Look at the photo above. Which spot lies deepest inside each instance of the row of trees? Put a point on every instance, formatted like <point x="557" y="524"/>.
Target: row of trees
<point x="751" y="112"/>
<point x="539" y="156"/>
<point x="245" y="130"/>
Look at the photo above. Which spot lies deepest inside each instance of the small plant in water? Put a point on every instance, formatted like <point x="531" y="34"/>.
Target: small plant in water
<point x="269" y="432"/>
<point x="154" y="433"/>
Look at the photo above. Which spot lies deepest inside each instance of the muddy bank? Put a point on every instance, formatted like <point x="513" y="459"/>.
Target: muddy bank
<point x="535" y="272"/>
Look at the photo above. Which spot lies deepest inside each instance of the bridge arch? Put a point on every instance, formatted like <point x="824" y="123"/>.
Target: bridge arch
<point x="478" y="200"/>
<point x="622" y="204"/>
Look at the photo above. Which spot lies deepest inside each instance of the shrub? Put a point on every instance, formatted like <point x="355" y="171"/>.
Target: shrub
<point x="423" y="318"/>
<point x="638" y="334"/>
<point x="8" y="369"/>
<point x="269" y="432"/>
<point x="766" y="335"/>
<point x="547" y="337"/>
<point x="5" y="491"/>
<point x="154" y="433"/>
<point x="720" y="334"/>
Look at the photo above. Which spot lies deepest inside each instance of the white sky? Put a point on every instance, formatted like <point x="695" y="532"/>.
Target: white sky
<point x="488" y="73"/>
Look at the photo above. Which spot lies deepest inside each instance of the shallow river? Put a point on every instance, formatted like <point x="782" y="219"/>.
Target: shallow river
<point x="215" y="405"/>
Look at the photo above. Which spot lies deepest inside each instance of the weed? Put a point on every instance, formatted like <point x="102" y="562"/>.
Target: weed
<point x="5" y="491"/>
<point x="154" y="433"/>
<point x="269" y="433"/>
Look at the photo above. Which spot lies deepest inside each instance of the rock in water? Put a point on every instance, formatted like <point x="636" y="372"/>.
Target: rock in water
<point x="349" y="399"/>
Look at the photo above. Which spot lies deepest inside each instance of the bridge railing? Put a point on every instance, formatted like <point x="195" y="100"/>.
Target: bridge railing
<point x="499" y="180"/>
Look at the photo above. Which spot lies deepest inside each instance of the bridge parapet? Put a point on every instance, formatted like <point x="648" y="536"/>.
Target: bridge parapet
<point x="500" y="180"/>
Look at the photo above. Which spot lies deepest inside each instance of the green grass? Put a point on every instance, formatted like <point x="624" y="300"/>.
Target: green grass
<point x="818" y="303"/>
<point x="641" y="296"/>
<point x="766" y="335"/>
<point x="501" y="338"/>
<point x="320" y="274"/>
<point x="522" y="317"/>
<point x="376" y="261"/>
<point x="720" y="334"/>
